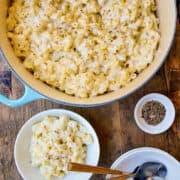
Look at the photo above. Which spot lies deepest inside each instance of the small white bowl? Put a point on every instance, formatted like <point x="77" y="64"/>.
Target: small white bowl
<point x="164" y="124"/>
<point x="23" y="158"/>
<point x="133" y="158"/>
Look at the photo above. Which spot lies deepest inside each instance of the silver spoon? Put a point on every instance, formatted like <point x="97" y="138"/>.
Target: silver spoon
<point x="145" y="171"/>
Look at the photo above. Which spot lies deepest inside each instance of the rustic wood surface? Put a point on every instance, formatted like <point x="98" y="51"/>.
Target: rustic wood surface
<point x="114" y="123"/>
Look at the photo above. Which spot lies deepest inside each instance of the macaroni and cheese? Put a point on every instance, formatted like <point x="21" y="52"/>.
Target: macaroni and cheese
<point x="84" y="47"/>
<point x="57" y="141"/>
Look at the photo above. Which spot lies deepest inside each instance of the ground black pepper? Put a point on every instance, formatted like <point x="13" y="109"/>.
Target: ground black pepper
<point x="153" y="112"/>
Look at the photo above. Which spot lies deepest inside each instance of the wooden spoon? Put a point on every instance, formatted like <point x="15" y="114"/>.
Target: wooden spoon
<point x="93" y="169"/>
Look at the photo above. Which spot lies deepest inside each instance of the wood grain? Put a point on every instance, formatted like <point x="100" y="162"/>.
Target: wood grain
<point x="114" y="123"/>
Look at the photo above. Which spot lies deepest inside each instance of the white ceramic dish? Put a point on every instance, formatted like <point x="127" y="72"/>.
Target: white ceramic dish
<point x="130" y="160"/>
<point x="22" y="144"/>
<point x="165" y="124"/>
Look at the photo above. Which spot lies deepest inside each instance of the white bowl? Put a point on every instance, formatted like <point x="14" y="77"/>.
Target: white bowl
<point x="22" y="144"/>
<point x="130" y="160"/>
<point x="165" y="124"/>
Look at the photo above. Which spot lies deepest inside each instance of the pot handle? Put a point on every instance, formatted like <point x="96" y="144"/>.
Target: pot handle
<point x="29" y="96"/>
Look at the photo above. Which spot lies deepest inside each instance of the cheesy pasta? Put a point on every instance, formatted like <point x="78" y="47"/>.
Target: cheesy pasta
<point x="57" y="141"/>
<point x="84" y="47"/>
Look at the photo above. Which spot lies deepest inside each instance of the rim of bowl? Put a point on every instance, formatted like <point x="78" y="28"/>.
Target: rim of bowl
<point x="46" y="111"/>
<point x="159" y="97"/>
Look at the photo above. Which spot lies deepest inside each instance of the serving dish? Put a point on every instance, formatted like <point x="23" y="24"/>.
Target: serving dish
<point x="22" y="145"/>
<point x="133" y="158"/>
<point x="36" y="89"/>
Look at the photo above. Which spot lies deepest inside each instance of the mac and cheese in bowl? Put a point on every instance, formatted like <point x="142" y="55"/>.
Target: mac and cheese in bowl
<point x="57" y="141"/>
<point x="84" y="47"/>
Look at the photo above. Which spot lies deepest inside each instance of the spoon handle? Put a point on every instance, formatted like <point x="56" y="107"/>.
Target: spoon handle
<point x="123" y="177"/>
<point x="93" y="169"/>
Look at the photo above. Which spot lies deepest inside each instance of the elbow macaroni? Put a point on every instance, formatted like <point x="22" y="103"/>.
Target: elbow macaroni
<point x="57" y="141"/>
<point x="84" y="47"/>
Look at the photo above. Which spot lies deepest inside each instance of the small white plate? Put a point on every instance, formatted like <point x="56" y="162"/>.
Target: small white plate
<point x="22" y="145"/>
<point x="165" y="124"/>
<point x="131" y="159"/>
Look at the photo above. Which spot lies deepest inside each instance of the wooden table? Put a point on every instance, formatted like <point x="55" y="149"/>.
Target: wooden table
<point x="114" y="123"/>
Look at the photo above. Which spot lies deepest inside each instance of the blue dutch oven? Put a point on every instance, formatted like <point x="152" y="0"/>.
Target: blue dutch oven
<point x="35" y="89"/>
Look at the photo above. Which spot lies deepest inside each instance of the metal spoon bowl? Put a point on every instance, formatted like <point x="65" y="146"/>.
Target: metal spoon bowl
<point x="150" y="169"/>
<point x="145" y="171"/>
